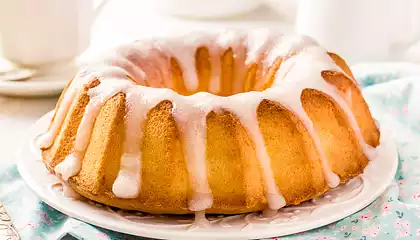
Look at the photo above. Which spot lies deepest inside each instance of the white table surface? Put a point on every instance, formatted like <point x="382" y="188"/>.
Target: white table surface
<point x="119" y="21"/>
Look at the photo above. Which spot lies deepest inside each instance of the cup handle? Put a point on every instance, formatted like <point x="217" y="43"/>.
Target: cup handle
<point x="399" y="47"/>
<point x="99" y="8"/>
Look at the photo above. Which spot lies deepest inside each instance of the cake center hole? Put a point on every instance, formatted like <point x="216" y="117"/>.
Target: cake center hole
<point x="223" y="75"/>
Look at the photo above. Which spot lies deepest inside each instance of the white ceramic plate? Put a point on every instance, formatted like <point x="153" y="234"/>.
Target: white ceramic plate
<point x="333" y="206"/>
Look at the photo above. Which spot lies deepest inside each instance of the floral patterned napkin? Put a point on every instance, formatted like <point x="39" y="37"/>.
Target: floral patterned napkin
<point x="393" y="93"/>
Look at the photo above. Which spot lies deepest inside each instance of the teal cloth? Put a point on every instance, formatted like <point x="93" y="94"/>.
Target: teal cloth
<point x="392" y="91"/>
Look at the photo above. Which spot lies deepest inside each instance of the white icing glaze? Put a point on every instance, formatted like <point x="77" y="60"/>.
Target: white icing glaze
<point x="349" y="97"/>
<point x="256" y="44"/>
<point x="215" y="81"/>
<point x="98" y="96"/>
<point x="128" y="180"/>
<point x="191" y="124"/>
<point x="248" y="118"/>
<point x="240" y="69"/>
<point x="47" y="139"/>
<point x="200" y="220"/>
<point x="129" y="177"/>
<point x="149" y="65"/>
<point x="66" y="190"/>
<point x="69" y="167"/>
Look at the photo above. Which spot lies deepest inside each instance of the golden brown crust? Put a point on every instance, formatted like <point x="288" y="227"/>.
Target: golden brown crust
<point x="338" y="141"/>
<point x="177" y="78"/>
<point x="236" y="192"/>
<point x="164" y="183"/>
<point x="269" y="78"/>
<point x="64" y="142"/>
<point x="59" y="100"/>
<point x="294" y="160"/>
<point x="251" y="76"/>
<point x="358" y="105"/>
<point x="227" y="73"/>
<point x="341" y="63"/>
<point x="204" y="68"/>
<point x="102" y="159"/>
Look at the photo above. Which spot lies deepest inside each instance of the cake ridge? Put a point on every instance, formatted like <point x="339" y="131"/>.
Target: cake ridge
<point x="296" y="73"/>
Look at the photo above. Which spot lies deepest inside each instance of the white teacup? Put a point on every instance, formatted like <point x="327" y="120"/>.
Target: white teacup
<point x="44" y="32"/>
<point x="361" y="30"/>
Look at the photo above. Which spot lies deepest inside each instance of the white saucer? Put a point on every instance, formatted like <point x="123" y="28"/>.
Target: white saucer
<point x="47" y="81"/>
<point x="333" y="206"/>
<point x="47" y="85"/>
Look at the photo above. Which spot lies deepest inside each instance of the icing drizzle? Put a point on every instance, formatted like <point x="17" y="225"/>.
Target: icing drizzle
<point x="147" y="63"/>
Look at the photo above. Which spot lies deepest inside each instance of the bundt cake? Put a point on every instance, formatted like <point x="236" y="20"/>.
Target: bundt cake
<point x="222" y="123"/>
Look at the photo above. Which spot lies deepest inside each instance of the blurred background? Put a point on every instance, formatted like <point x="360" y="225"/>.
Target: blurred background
<point x="50" y="37"/>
